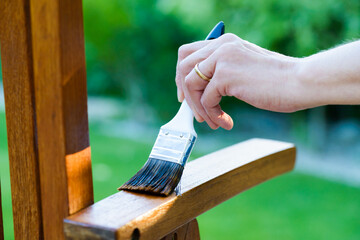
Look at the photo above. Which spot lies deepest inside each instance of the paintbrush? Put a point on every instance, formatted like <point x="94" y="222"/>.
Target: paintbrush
<point x="162" y="172"/>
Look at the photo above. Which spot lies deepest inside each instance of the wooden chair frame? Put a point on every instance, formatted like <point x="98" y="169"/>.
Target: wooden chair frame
<point x="44" y="76"/>
<point x="43" y="63"/>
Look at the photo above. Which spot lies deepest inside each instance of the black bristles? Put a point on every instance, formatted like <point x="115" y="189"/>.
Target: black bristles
<point x="156" y="177"/>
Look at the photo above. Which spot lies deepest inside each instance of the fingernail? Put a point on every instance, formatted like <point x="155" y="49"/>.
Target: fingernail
<point x="213" y="127"/>
<point x="178" y="95"/>
<point x="182" y="97"/>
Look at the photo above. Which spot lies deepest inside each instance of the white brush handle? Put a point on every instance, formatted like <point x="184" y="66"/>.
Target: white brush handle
<point x="183" y="120"/>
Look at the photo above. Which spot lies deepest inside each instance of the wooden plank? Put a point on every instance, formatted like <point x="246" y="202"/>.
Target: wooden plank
<point x="189" y="231"/>
<point x="206" y="182"/>
<point x="61" y="111"/>
<point x="1" y="219"/>
<point x="46" y="109"/>
<point x="16" y="58"/>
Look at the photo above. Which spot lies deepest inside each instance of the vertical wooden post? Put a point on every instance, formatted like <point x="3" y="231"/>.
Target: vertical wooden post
<point x="44" y="78"/>
<point x="16" y="59"/>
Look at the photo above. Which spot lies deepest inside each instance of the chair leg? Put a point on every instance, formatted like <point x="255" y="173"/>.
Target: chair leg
<point x="189" y="231"/>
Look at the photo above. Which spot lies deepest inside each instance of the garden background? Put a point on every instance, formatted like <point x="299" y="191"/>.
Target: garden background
<point x="131" y="53"/>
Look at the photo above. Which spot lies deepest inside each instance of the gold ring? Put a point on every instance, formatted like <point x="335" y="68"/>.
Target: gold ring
<point x="197" y="70"/>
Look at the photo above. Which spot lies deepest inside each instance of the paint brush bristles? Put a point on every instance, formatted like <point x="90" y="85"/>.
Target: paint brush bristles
<point x="162" y="172"/>
<point x="157" y="177"/>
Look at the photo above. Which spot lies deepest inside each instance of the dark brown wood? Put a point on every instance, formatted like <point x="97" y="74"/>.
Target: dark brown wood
<point x="1" y="219"/>
<point x="206" y="182"/>
<point x="189" y="231"/>
<point x="44" y="78"/>
<point x="16" y="59"/>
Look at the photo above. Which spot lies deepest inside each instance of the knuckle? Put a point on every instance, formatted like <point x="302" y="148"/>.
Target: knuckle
<point x="224" y="52"/>
<point x="229" y="37"/>
<point x="183" y="51"/>
<point x="182" y="66"/>
<point x="221" y="72"/>
<point x="188" y="82"/>
<point x="177" y="80"/>
<point x="203" y="102"/>
<point x="228" y="47"/>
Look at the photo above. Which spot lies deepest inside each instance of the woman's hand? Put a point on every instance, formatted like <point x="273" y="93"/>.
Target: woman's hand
<point x="262" y="78"/>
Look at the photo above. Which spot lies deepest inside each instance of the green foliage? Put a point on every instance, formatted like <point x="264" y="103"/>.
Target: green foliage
<point x="131" y="49"/>
<point x="296" y="28"/>
<point x="131" y="46"/>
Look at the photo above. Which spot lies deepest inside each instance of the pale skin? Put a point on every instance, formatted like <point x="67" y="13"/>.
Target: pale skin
<point x="264" y="79"/>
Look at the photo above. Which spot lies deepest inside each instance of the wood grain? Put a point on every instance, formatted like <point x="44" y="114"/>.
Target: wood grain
<point x="16" y="59"/>
<point x="206" y="182"/>
<point x="61" y="111"/>
<point x="44" y="76"/>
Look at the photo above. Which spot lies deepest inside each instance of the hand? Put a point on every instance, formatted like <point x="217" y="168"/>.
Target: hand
<point x="237" y="68"/>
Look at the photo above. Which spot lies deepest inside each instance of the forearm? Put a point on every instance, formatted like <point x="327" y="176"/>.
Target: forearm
<point x="331" y="77"/>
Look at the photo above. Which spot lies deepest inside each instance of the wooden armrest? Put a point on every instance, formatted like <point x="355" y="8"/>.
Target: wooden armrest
<point x="206" y="182"/>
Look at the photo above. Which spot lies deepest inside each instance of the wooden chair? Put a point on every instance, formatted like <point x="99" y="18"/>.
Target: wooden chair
<point x="43" y="63"/>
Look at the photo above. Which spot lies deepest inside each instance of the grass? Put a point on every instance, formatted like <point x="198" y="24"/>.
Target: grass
<point x="293" y="206"/>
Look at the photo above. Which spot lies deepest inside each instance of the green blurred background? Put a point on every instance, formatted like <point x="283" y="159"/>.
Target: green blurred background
<point x="131" y="52"/>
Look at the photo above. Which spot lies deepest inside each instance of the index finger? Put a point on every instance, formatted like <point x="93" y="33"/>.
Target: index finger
<point x="187" y="49"/>
<point x="183" y="52"/>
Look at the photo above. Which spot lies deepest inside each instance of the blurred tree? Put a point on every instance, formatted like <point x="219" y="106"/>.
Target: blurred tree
<point x="131" y="50"/>
<point x="131" y="46"/>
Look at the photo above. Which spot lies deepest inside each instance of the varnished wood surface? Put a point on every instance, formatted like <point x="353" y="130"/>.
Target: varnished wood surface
<point x="189" y="231"/>
<point x="206" y="182"/>
<point x="61" y="111"/>
<point x="17" y="69"/>
<point x="44" y="76"/>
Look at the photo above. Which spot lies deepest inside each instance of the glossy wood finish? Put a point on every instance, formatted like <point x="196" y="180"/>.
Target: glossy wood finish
<point x="206" y="182"/>
<point x="46" y="110"/>
<point x="61" y="111"/>
<point x="17" y="69"/>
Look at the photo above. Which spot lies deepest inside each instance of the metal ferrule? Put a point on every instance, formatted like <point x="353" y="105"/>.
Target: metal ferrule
<point x="173" y="146"/>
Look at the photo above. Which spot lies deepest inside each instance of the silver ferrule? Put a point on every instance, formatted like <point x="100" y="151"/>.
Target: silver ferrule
<point x="173" y="146"/>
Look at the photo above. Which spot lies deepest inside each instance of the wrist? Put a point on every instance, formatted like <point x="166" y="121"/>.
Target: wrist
<point x="311" y="90"/>
<point x="331" y="77"/>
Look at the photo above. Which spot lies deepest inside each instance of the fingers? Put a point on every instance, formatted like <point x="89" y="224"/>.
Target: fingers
<point x="210" y="100"/>
<point x="193" y="90"/>
<point x="204" y="96"/>
<point x="191" y="54"/>
<point x="187" y="49"/>
<point x="236" y="68"/>
<point x="190" y="102"/>
<point x="184" y="52"/>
